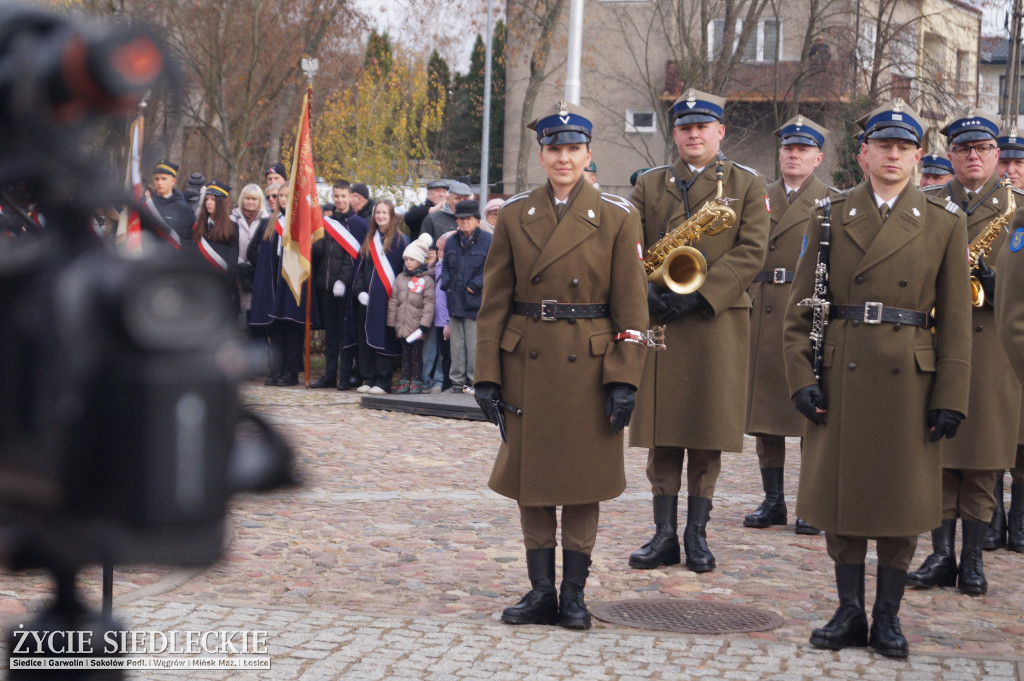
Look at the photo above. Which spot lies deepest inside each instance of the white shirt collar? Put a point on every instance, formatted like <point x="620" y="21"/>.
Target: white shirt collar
<point x="790" y="189"/>
<point x="696" y="171"/>
<point x="879" y="201"/>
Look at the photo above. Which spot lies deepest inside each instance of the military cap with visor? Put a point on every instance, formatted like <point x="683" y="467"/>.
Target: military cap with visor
<point x="564" y="124"/>
<point x="216" y="188"/>
<point x="895" y="120"/>
<point x="166" y="167"/>
<point x="694" y="106"/>
<point x="933" y="164"/>
<point x="802" y="130"/>
<point x="972" y="126"/>
<point x="1011" y="145"/>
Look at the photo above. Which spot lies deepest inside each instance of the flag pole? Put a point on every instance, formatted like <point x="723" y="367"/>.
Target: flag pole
<point x="309" y="67"/>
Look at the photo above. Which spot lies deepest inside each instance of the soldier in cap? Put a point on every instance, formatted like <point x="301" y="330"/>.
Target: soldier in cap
<point x="437" y="193"/>
<point x="590" y="174"/>
<point x="1000" y="532"/>
<point x="972" y="465"/>
<point x="170" y="204"/>
<point x="935" y="169"/>
<point x="559" y="335"/>
<point x="770" y="416"/>
<point x="887" y="388"/>
<point x="688" y="395"/>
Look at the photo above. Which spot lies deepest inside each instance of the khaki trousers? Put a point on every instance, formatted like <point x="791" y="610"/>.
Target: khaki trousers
<point x="579" y="527"/>
<point x="771" y="451"/>
<point x="968" y="494"/>
<point x="665" y="470"/>
<point x="893" y="552"/>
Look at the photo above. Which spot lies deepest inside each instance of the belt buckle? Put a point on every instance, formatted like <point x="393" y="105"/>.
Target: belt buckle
<point x="872" y="313"/>
<point x="548" y="310"/>
<point x="779" y="275"/>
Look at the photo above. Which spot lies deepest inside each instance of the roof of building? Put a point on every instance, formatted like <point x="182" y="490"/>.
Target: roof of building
<point x="994" y="50"/>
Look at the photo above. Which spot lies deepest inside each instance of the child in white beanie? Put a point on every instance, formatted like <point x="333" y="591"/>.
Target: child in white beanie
<point x="411" y="312"/>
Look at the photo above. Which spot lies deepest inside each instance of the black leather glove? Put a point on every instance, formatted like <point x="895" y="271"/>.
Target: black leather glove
<point x="987" y="276"/>
<point x="655" y="305"/>
<point x="943" y="423"/>
<point x="619" y="407"/>
<point x="425" y="330"/>
<point x="486" y="394"/>
<point x="807" y="400"/>
<point x="679" y="304"/>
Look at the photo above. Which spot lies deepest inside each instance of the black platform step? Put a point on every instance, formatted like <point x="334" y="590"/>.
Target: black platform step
<point x="447" y="405"/>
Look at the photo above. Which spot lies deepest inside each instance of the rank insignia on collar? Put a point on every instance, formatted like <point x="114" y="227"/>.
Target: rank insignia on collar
<point x="590" y="213"/>
<point x="917" y="213"/>
<point x="531" y="211"/>
<point x="853" y="211"/>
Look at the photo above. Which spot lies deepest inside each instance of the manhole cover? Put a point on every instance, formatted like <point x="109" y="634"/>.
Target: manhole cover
<point x="686" y="616"/>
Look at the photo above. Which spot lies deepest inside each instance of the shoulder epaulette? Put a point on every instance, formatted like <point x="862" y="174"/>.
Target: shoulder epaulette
<point x="516" y="197"/>
<point x="837" y="190"/>
<point x="615" y="200"/>
<point x="952" y="207"/>
<point x="651" y="170"/>
<point x="944" y="202"/>
<point x="933" y="188"/>
<point x="743" y="167"/>
<point x="1017" y="191"/>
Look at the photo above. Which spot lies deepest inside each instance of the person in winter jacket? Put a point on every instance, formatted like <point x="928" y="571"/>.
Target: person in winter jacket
<point x="411" y="312"/>
<point x="464" y="256"/>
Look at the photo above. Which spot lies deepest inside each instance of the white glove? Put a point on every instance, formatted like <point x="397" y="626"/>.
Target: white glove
<point x="363" y="298"/>
<point x="339" y="289"/>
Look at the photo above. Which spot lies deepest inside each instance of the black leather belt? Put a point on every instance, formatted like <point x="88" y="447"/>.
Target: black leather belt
<point x="876" y="313"/>
<point x="780" y="275"/>
<point x="550" y="310"/>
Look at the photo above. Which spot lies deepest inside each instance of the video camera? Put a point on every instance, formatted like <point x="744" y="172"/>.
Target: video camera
<point x="121" y="432"/>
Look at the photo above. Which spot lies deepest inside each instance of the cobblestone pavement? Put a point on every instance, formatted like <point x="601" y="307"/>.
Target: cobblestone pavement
<point x="394" y="560"/>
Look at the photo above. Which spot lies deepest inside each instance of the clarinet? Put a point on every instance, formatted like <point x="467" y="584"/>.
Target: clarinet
<point x="819" y="300"/>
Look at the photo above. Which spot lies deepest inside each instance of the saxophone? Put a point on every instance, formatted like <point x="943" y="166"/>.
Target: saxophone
<point x="981" y="245"/>
<point x="672" y="262"/>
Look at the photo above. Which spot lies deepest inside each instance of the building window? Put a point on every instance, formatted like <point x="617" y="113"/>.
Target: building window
<point x="866" y="46"/>
<point x="641" y="120"/>
<point x="964" y="82"/>
<point x="764" y="44"/>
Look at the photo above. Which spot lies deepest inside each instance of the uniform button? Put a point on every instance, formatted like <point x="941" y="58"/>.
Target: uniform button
<point x="768" y="309"/>
<point x="978" y="328"/>
<point x="575" y="282"/>
<point x="536" y="280"/>
<point x="902" y="282"/>
<point x="572" y="358"/>
<point x="855" y="322"/>
<point x="771" y="247"/>
<point x="895" y="370"/>
<point x="851" y="366"/>
<point x="859" y="280"/>
<point x="533" y="354"/>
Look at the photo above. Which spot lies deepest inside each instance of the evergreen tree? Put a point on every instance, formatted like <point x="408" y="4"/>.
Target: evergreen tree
<point x="380" y="57"/>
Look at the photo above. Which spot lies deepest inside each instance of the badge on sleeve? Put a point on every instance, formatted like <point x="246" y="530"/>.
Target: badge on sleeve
<point x="767" y="204"/>
<point x="803" y="246"/>
<point x="640" y="250"/>
<point x="1017" y="239"/>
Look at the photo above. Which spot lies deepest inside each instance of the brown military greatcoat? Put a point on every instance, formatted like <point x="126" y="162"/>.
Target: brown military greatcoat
<point x="870" y="470"/>
<point x="769" y="410"/>
<point x="1009" y="303"/>
<point x="691" y="393"/>
<point x="988" y="439"/>
<point x="561" y="450"/>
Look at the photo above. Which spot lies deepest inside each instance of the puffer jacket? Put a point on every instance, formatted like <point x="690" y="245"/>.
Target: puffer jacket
<point x="412" y="302"/>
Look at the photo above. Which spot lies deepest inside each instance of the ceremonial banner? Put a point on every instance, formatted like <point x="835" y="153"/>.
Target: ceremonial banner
<point x="129" y="228"/>
<point x="303" y="219"/>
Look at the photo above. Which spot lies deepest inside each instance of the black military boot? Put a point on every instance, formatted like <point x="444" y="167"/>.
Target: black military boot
<point x="972" y="573"/>
<point x="849" y="625"/>
<point x="663" y="549"/>
<point x="804" y="527"/>
<point x="772" y="510"/>
<point x="540" y="604"/>
<point x="572" y="611"/>
<point x="939" y="568"/>
<point x="325" y="381"/>
<point x="1015" y="521"/>
<point x="995" y="533"/>
<point x="695" y="543"/>
<point x="886" y="637"/>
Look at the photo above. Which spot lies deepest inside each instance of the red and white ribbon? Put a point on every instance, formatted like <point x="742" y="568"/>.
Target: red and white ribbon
<point x="340" y="233"/>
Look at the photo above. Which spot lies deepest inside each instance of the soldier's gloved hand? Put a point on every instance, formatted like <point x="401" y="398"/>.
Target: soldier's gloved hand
<point x="486" y="394"/>
<point x="943" y="423"/>
<point x="619" y="407"/>
<point x="808" y="401"/>
<point x="987" y="276"/>
<point x="679" y="304"/>
<point x="655" y="305"/>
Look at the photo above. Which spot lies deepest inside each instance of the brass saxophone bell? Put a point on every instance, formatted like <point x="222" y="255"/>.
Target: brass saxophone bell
<point x="977" y="293"/>
<point x="683" y="270"/>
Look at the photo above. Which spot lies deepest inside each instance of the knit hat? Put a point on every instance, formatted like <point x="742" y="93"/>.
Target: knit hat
<point x="196" y="180"/>
<point x="362" y="190"/>
<point x="417" y="250"/>
<point x="277" y="168"/>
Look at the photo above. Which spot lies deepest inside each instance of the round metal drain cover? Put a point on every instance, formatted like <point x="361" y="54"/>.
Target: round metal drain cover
<point x="686" y="616"/>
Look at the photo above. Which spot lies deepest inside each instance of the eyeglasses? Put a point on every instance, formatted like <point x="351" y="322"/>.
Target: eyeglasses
<point x="981" y="149"/>
<point x="272" y="196"/>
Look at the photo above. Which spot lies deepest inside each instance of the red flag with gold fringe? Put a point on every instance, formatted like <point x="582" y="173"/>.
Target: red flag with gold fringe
<point x="303" y="219"/>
